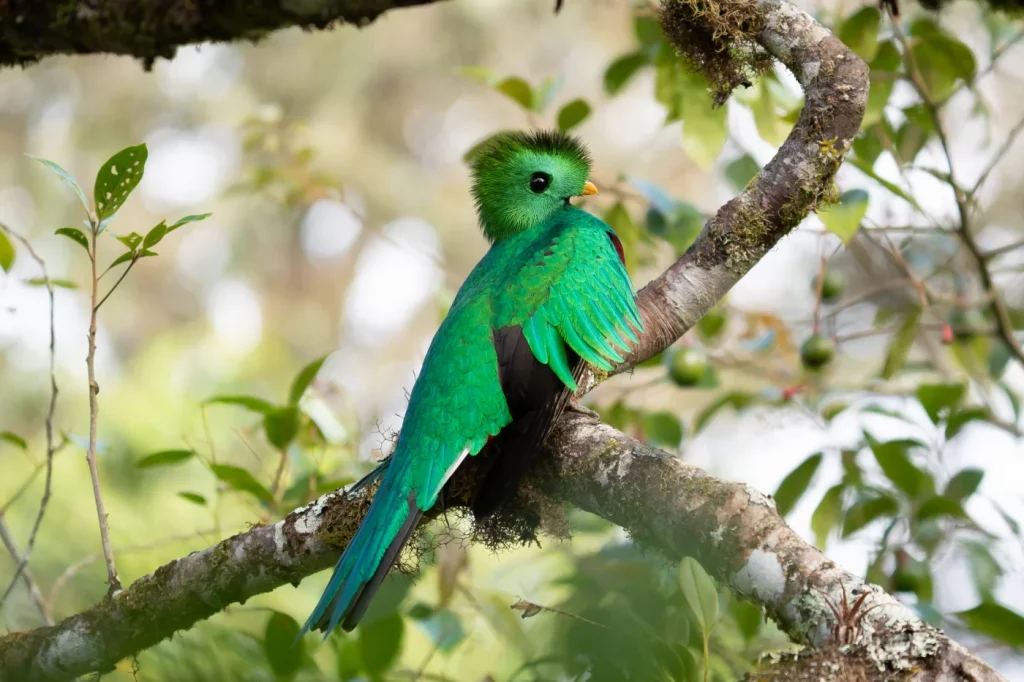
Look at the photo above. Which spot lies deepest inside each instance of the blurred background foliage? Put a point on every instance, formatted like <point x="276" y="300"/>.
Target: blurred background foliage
<point x="867" y="371"/>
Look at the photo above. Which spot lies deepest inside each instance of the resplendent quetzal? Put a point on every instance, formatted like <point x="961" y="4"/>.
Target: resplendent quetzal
<point x="551" y="294"/>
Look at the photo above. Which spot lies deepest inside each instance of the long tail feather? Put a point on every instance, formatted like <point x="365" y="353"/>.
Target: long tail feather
<point x="367" y="558"/>
<point x="357" y="609"/>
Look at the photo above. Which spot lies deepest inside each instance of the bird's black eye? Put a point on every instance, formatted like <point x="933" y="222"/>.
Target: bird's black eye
<point x="539" y="182"/>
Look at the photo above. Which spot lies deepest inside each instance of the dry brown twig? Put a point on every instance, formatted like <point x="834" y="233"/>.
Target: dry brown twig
<point x="51" y="448"/>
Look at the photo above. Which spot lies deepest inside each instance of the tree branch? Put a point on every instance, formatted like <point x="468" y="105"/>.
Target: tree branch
<point x="33" y="29"/>
<point x="662" y="501"/>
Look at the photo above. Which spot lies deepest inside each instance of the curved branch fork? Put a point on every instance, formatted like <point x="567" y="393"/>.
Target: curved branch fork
<point x="794" y="182"/>
<point x="734" y="530"/>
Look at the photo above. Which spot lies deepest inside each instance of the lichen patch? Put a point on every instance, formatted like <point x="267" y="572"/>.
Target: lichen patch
<point x="761" y="577"/>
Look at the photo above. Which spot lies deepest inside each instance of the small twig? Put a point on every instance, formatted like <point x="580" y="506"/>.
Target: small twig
<point x="1007" y="144"/>
<point x="998" y="305"/>
<point x="26" y="574"/>
<point x="989" y="255"/>
<point x="51" y="449"/>
<point x="21" y="491"/>
<point x="119" y="280"/>
<point x="114" y="584"/>
<point x="819" y="285"/>
<point x="63" y="578"/>
<point x="278" y="476"/>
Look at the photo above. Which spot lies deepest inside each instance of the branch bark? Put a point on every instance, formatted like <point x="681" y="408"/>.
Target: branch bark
<point x="146" y="29"/>
<point x="661" y="500"/>
<point x="664" y="502"/>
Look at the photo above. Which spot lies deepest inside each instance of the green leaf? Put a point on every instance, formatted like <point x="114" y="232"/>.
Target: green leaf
<point x="882" y="70"/>
<point x="902" y="341"/>
<point x="572" y="114"/>
<point x="998" y="358"/>
<point x="860" y="32"/>
<point x="75" y="235"/>
<point x="996" y="621"/>
<point x="762" y="103"/>
<point x="648" y="30"/>
<point x="700" y="593"/>
<point x="188" y="219"/>
<point x="154" y="236"/>
<point x="481" y="74"/>
<point x="303" y="379"/>
<point x="284" y="653"/>
<point x="131" y="241"/>
<point x="194" y="498"/>
<point x="517" y="89"/>
<point x="444" y="628"/>
<point x="14" y="439"/>
<point x="117" y="178"/>
<point x="683" y="227"/>
<point x="380" y="643"/>
<point x="704" y="129"/>
<point x="389" y="599"/>
<point x="843" y="219"/>
<point x="163" y="458"/>
<point x="795" y="484"/>
<point x="6" y="253"/>
<point x="961" y="418"/>
<point x="281" y="425"/>
<point x="621" y="70"/>
<point x="60" y="283"/>
<point x="826" y="514"/>
<point x="350" y="661"/>
<point x="741" y="171"/>
<point x="543" y="95"/>
<point x="738" y="400"/>
<point x="239" y="479"/>
<point x="747" y="616"/>
<point x="66" y="177"/>
<point x="896" y="465"/>
<point x="247" y="401"/>
<point x="123" y="258"/>
<point x="964" y="483"/>
<point x="662" y="428"/>
<point x="865" y="511"/>
<point x="940" y="58"/>
<point x="985" y="569"/>
<point x="938" y="506"/>
<point x="866" y="168"/>
<point x="939" y="400"/>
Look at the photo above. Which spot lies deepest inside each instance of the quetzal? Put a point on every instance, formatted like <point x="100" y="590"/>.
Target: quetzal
<point x="551" y="294"/>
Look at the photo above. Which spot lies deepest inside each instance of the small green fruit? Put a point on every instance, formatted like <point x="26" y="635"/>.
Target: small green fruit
<point x="711" y="325"/>
<point x="817" y="351"/>
<point x="831" y="287"/>
<point x="689" y="365"/>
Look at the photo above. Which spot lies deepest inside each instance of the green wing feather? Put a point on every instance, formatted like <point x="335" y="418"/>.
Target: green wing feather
<point x="573" y="290"/>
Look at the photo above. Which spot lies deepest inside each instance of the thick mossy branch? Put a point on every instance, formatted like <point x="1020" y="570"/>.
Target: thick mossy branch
<point x="663" y="502"/>
<point x="714" y="36"/>
<point x="147" y="29"/>
<point x="738" y="535"/>
<point x="718" y="39"/>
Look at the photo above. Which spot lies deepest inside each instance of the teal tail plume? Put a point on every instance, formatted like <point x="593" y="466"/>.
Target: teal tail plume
<point x="369" y="556"/>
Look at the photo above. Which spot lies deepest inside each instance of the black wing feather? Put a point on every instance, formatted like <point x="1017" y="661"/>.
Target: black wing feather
<point x="536" y="399"/>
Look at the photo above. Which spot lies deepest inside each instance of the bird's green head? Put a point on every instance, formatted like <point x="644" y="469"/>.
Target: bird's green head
<point x="522" y="179"/>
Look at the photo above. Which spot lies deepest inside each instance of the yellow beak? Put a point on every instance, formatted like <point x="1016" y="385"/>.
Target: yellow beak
<point x="589" y="188"/>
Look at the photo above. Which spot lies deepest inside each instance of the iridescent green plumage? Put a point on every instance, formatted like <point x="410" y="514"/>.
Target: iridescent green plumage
<point x="552" y="277"/>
